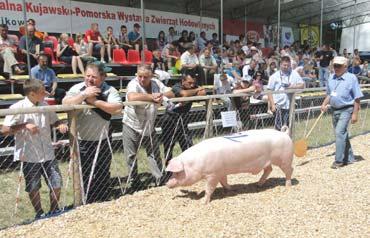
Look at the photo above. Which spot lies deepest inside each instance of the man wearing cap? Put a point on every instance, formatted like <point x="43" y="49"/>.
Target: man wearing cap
<point x="134" y="36"/>
<point x="283" y="79"/>
<point x="93" y="127"/>
<point x="343" y="96"/>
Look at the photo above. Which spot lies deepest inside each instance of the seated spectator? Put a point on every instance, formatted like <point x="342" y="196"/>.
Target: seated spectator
<point x="192" y="38"/>
<point x="239" y="58"/>
<point x="365" y="69"/>
<point x="8" y="49"/>
<point x="161" y="41"/>
<point x="135" y="37"/>
<point x="190" y="63"/>
<point x="215" y="42"/>
<point x="171" y="35"/>
<point x="123" y="40"/>
<point x="38" y="34"/>
<point x="208" y="64"/>
<point x="159" y="68"/>
<point x="223" y="85"/>
<point x="250" y="69"/>
<point x="170" y="54"/>
<point x="33" y="146"/>
<point x="35" y="46"/>
<point x="172" y="130"/>
<point x="308" y="78"/>
<point x="355" y="68"/>
<point x="271" y="69"/>
<point x="46" y="75"/>
<point x="68" y="54"/>
<point x="258" y="89"/>
<point x="184" y="39"/>
<point x="110" y="42"/>
<point x="202" y="41"/>
<point x="82" y="49"/>
<point x="95" y="41"/>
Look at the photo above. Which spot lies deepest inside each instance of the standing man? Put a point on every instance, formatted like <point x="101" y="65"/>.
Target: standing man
<point x="138" y="121"/>
<point x="343" y="95"/>
<point x="283" y="79"/>
<point x="325" y="56"/>
<point x="93" y="125"/>
<point x="174" y="130"/>
<point x="47" y="75"/>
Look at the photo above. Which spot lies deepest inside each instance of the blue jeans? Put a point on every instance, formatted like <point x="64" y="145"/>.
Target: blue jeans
<point x="281" y="118"/>
<point x="324" y="74"/>
<point x="343" y="149"/>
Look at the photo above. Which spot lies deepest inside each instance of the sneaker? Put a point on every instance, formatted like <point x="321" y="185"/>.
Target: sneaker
<point x="102" y="61"/>
<point x="39" y="215"/>
<point x="270" y="112"/>
<point x="336" y="165"/>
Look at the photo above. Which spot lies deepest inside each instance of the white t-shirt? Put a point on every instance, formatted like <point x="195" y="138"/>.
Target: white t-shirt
<point x="187" y="58"/>
<point x="137" y="117"/>
<point x="278" y="82"/>
<point x="35" y="148"/>
<point x="90" y="124"/>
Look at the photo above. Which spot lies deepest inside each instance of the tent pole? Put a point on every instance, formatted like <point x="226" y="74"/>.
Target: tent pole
<point x="222" y="30"/>
<point x="26" y="32"/>
<point x="143" y="37"/>
<point x="321" y="20"/>
<point x="278" y="30"/>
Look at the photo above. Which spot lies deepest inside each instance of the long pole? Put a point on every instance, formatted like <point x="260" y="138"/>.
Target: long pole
<point x="278" y="30"/>
<point x="143" y="37"/>
<point x="321" y="20"/>
<point x="245" y="22"/>
<point x="354" y="29"/>
<point x="222" y="30"/>
<point x="27" y="46"/>
<point x="70" y="11"/>
<point x="200" y="16"/>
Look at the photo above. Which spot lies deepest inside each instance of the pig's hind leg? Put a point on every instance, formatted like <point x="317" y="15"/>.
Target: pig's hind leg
<point x="224" y="183"/>
<point x="266" y="173"/>
<point x="288" y="170"/>
<point x="210" y="188"/>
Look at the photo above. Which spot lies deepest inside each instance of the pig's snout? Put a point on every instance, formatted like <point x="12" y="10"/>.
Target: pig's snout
<point x="171" y="183"/>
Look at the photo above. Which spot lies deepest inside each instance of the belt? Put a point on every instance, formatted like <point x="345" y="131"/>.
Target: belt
<point x="341" y="108"/>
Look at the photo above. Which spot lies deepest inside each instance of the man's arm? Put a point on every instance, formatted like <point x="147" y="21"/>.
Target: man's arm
<point x="191" y="92"/>
<point x="324" y="105"/>
<point x="356" y="109"/>
<point x="296" y="86"/>
<point x="89" y="92"/>
<point x="10" y="130"/>
<point x="111" y="108"/>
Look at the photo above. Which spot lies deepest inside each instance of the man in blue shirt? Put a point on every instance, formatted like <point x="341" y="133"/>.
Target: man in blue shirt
<point x="134" y="37"/>
<point x="47" y="76"/>
<point x="343" y="95"/>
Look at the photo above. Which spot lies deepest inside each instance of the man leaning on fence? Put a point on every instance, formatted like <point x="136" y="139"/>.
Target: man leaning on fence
<point x="283" y="79"/>
<point x="93" y="127"/>
<point x="33" y="146"/>
<point x="175" y="121"/>
<point x="138" y="121"/>
<point x="343" y="95"/>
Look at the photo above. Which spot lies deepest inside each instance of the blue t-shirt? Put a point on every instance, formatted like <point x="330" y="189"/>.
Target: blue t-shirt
<point x="355" y="70"/>
<point x="132" y="35"/>
<point x="343" y="90"/>
<point x="47" y="75"/>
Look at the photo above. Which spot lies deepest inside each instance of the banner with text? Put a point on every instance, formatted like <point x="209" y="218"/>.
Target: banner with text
<point x="71" y="16"/>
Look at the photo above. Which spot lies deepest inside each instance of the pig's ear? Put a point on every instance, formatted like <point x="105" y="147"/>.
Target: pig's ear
<point x="175" y="165"/>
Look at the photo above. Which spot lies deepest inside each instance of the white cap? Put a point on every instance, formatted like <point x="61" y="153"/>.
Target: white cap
<point x="247" y="78"/>
<point x="340" y="60"/>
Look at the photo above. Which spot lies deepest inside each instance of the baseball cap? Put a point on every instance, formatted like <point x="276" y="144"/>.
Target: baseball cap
<point x="340" y="60"/>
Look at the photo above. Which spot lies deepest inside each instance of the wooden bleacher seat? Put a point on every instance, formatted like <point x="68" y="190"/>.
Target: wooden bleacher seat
<point x="70" y="76"/>
<point x="20" y="77"/>
<point x="11" y="96"/>
<point x="1" y="77"/>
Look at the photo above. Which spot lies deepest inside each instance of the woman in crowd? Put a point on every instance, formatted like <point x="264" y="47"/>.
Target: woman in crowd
<point x="161" y="41"/>
<point x="67" y="54"/>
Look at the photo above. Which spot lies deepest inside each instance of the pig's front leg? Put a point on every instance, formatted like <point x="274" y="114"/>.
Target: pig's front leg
<point x="210" y="188"/>
<point x="266" y="173"/>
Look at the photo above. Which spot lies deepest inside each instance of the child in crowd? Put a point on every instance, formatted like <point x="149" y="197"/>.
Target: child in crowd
<point x="110" y="42"/>
<point x="158" y="67"/>
<point x="33" y="146"/>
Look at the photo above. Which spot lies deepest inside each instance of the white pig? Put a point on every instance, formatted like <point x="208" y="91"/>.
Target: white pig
<point x="246" y="152"/>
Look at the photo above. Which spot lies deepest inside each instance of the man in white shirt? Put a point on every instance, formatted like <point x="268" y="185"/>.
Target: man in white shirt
<point x="138" y="121"/>
<point x="283" y="79"/>
<point x="190" y="63"/>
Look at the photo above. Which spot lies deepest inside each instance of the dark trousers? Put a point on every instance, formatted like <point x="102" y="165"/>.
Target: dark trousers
<point x="174" y="131"/>
<point x="59" y="94"/>
<point x="100" y="184"/>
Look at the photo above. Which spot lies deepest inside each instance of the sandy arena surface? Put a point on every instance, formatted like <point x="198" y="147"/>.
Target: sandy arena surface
<point x="322" y="202"/>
